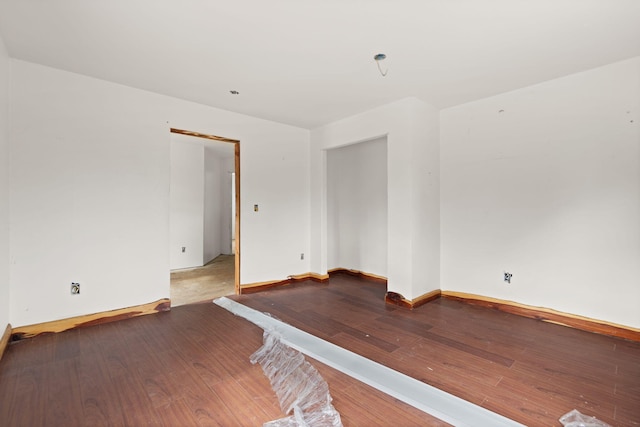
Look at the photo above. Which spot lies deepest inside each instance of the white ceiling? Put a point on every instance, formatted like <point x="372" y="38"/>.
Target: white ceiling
<point x="310" y="62"/>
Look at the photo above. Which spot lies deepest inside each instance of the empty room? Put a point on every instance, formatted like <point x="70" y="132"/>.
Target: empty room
<point x="429" y="213"/>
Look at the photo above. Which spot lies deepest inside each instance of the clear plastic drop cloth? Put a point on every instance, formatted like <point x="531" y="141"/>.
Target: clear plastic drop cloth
<point x="300" y="389"/>
<point x="576" y="419"/>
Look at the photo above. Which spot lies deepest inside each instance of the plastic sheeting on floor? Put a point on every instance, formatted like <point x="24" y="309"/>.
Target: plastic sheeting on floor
<point x="431" y="400"/>
<point x="299" y="387"/>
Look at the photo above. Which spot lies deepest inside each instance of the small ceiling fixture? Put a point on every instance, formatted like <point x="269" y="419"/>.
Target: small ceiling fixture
<point x="380" y="57"/>
<point x="234" y="92"/>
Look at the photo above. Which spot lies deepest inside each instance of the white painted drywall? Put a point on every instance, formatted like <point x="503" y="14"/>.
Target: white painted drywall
<point x="425" y="193"/>
<point x="410" y="126"/>
<point x="357" y="207"/>
<point x="217" y="201"/>
<point x="89" y="194"/>
<point x="226" y="204"/>
<point x="544" y="182"/>
<point x="199" y="200"/>
<point x="212" y="214"/>
<point x="4" y="187"/>
<point x="186" y="214"/>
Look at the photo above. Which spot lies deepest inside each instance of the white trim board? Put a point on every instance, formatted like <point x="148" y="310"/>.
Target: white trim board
<point x="431" y="400"/>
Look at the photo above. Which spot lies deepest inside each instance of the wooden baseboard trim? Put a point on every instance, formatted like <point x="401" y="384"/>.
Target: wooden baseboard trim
<point x="358" y="273"/>
<point x="549" y="315"/>
<point x="4" y="341"/>
<point x="397" y="299"/>
<point x="315" y="277"/>
<point x="263" y="286"/>
<point x="55" y="326"/>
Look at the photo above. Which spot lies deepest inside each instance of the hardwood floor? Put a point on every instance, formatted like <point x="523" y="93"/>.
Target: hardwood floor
<point x="186" y="367"/>
<point x="527" y="370"/>
<point x="213" y="280"/>
<point x="190" y="366"/>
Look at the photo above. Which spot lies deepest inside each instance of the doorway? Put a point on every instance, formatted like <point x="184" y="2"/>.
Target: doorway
<point x="205" y="217"/>
<point x="357" y="208"/>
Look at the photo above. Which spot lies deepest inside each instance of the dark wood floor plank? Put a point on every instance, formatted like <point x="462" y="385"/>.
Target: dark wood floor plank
<point x="66" y="346"/>
<point x="433" y="367"/>
<point x="405" y="324"/>
<point x="338" y="308"/>
<point x="560" y="388"/>
<point x="368" y="406"/>
<point x="44" y="353"/>
<point x="491" y="343"/>
<point x="375" y="412"/>
<point x="209" y="368"/>
<point x="136" y="406"/>
<point x="626" y="412"/>
<point x="439" y="358"/>
<point x="9" y="379"/>
<point x="176" y="413"/>
<point x="573" y="367"/>
<point x="313" y="318"/>
<point x="97" y="391"/>
<point x="63" y="389"/>
<point x="207" y="408"/>
<point x="290" y="316"/>
<point x="157" y="383"/>
<point x="390" y="333"/>
<point x="461" y="346"/>
<point x="201" y="399"/>
<point x="235" y="397"/>
<point x="491" y="326"/>
<point x="207" y="411"/>
<point x="263" y="392"/>
<point x="629" y="348"/>
<point x="516" y="401"/>
<point x="29" y="401"/>
<point x="363" y="348"/>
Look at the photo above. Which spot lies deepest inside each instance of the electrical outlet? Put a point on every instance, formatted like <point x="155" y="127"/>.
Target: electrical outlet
<point x="507" y="277"/>
<point x="302" y="256"/>
<point x="75" y="288"/>
<point x="184" y="249"/>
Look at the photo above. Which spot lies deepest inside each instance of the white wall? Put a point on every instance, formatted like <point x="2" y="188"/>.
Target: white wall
<point x="411" y="128"/>
<point x="186" y="202"/>
<point x="425" y="193"/>
<point x="357" y="207"/>
<point x="227" y="205"/>
<point x="4" y="188"/>
<point x="217" y="202"/>
<point x="544" y="182"/>
<point x="212" y="214"/>
<point x="200" y="200"/>
<point x="90" y="193"/>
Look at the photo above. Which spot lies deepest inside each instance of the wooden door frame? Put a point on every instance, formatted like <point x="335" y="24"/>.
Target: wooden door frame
<point x="236" y="144"/>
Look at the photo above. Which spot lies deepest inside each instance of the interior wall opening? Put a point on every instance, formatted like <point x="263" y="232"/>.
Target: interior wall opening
<point x="204" y="217"/>
<point x="357" y="204"/>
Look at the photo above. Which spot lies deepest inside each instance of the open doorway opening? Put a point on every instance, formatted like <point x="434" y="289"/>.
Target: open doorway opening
<point x="204" y="217"/>
<point x="357" y="206"/>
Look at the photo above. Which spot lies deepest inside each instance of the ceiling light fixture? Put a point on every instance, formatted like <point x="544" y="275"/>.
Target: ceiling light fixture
<point x="380" y="57"/>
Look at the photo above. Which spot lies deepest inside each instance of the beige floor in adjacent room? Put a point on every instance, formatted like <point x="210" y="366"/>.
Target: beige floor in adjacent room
<point x="213" y="280"/>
